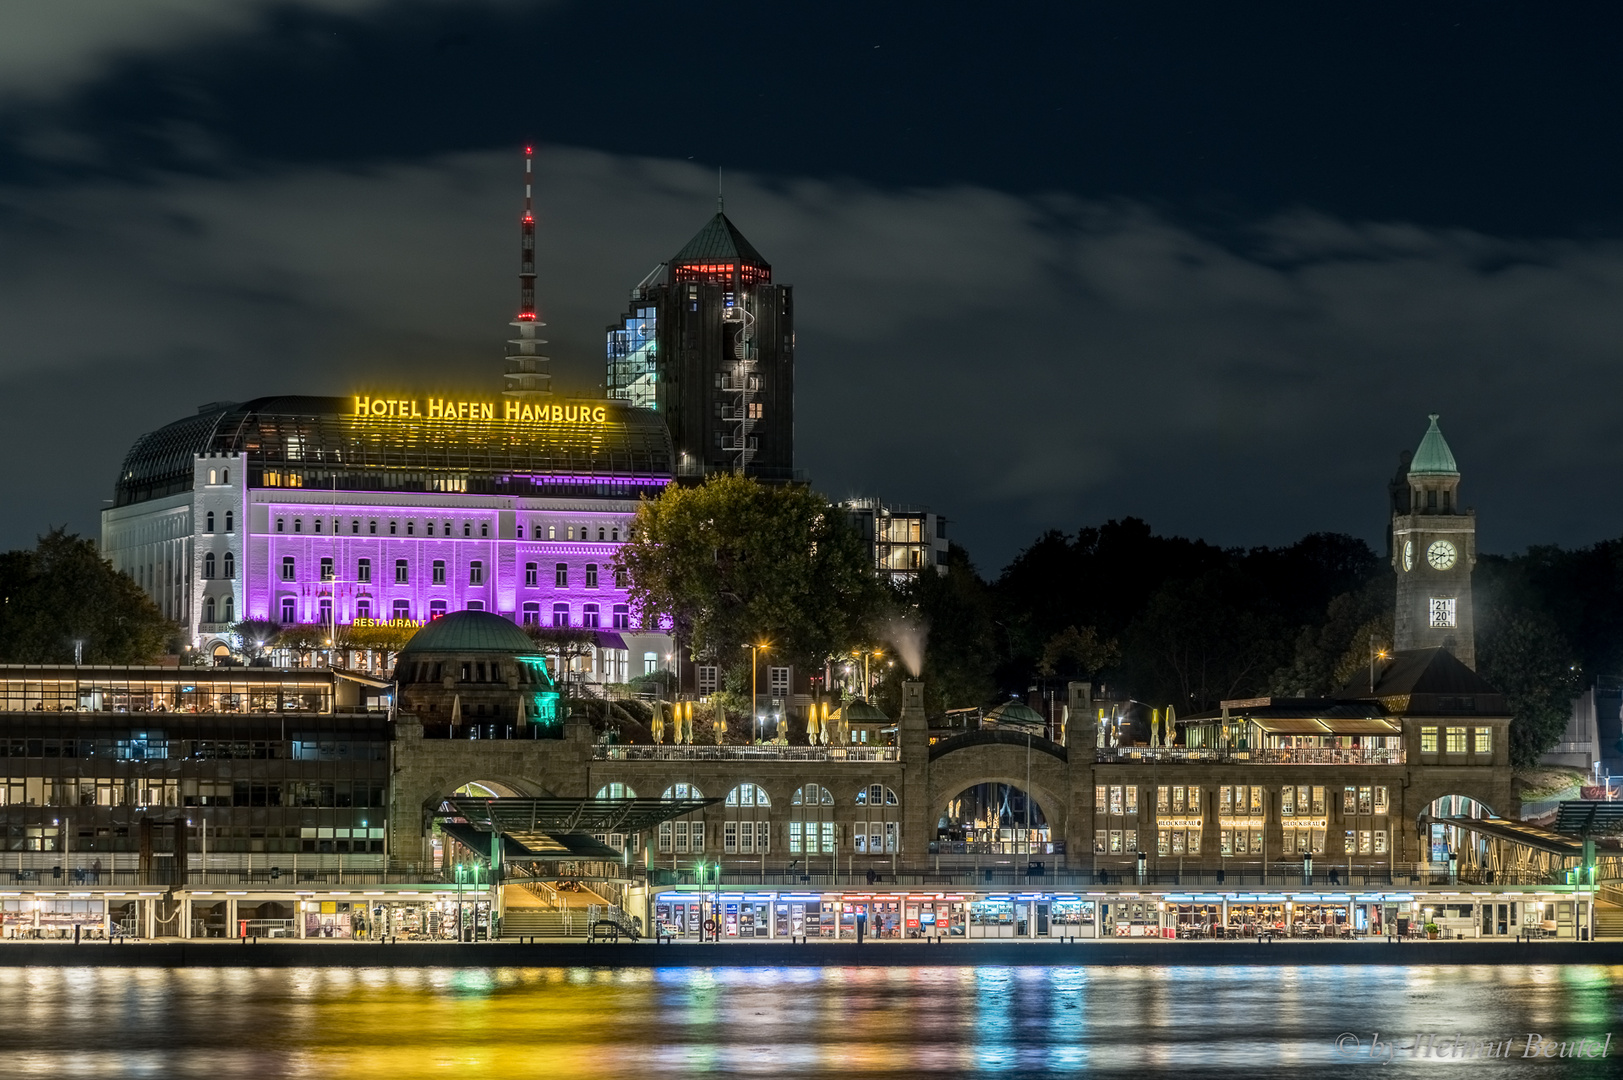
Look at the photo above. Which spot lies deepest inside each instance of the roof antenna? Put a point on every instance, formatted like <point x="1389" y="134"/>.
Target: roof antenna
<point x="720" y="206"/>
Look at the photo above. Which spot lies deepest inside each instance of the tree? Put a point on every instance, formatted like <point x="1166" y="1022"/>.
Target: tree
<point x="734" y="561"/>
<point x="1074" y="654"/>
<point x="1330" y="653"/>
<point x="953" y="615"/>
<point x="63" y="591"/>
<point x="253" y="635"/>
<point x="1199" y="642"/>
<point x="564" y="644"/>
<point x="1524" y="656"/>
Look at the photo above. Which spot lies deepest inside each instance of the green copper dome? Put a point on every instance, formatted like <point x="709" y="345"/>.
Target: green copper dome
<point x="1434" y="458"/>
<point x="471" y="632"/>
<point x="1015" y="712"/>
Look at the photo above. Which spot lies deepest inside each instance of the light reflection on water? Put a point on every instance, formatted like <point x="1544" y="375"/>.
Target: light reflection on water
<point x="646" y="1022"/>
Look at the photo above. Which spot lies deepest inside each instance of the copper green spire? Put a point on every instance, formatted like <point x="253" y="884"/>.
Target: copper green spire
<point x="1434" y="458"/>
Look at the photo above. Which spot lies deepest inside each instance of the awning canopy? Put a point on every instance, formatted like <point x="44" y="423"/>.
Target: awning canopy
<point x="529" y="846"/>
<point x="1338" y="725"/>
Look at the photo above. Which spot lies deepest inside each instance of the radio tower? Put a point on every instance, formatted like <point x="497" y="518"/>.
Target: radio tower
<point x="527" y="376"/>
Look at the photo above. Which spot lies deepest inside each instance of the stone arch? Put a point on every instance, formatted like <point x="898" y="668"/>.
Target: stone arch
<point x="1049" y="779"/>
<point x="1475" y="856"/>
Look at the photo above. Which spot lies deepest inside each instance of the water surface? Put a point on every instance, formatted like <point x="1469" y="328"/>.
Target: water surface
<point x="800" y="1022"/>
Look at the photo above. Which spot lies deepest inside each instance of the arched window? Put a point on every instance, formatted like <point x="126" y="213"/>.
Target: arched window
<point x="208" y="568"/>
<point x="230" y="562"/>
<point x="685" y="835"/>
<point x="616" y="790"/>
<point x="600" y="533"/>
<point x="812" y="830"/>
<point x="225" y="476"/>
<point x="881" y="833"/>
<point x="746" y="831"/>
<point x="230" y="613"/>
<point x="208" y="521"/>
<point x="208" y="609"/>
<point x="230" y="517"/>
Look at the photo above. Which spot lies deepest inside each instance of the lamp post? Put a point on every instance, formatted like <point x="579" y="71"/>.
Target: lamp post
<point x="755" y="714"/>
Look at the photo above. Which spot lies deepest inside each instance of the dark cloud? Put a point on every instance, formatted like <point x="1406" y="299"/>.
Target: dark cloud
<point x="1013" y="362"/>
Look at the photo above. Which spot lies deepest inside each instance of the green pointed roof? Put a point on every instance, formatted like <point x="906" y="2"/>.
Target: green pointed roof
<point x="1434" y="458"/>
<point x="720" y="241"/>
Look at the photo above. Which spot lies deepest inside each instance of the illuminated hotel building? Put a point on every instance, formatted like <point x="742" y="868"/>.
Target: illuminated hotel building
<point x="709" y="343"/>
<point x="326" y="511"/>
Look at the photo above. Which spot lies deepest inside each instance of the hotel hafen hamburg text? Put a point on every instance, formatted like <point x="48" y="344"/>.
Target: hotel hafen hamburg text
<point x="297" y="802"/>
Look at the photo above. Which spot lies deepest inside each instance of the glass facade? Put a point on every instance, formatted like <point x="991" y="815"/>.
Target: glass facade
<point x="633" y="352"/>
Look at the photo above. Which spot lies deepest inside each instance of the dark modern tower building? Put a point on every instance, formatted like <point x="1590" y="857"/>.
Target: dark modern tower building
<point x="709" y="342"/>
<point x="1434" y="549"/>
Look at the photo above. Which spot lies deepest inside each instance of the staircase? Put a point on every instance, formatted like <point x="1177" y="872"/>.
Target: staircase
<point x="538" y="922"/>
<point x="1609" y="913"/>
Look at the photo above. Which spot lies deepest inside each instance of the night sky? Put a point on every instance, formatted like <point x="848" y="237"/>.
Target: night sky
<point x="1210" y="265"/>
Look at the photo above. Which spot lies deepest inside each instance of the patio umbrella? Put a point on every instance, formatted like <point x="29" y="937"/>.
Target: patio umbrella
<point x="1155" y="728"/>
<point x="1172" y="718"/>
<point x="813" y="725"/>
<point x="783" y="730"/>
<point x="657" y="724"/>
<point x="721" y="727"/>
<point x="456" y="711"/>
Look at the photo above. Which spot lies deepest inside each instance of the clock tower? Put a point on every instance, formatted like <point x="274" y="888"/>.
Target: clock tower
<point x="1433" y="551"/>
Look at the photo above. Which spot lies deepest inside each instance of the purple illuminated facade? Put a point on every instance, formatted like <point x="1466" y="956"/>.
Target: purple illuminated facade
<point x="299" y="510"/>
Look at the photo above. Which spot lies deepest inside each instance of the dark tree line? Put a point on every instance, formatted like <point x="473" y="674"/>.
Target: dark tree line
<point x="61" y="592"/>
<point x="1169" y="620"/>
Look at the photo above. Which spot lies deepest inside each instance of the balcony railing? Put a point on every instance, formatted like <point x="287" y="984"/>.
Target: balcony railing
<point x="1266" y="756"/>
<point x="746" y="753"/>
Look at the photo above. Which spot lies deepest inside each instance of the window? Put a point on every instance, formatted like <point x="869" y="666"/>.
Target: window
<point x="1456" y="740"/>
<point x="1318" y="801"/>
<point x="208" y="521"/>
<point x="1132" y="799"/>
<point x="429" y="528"/>
<point x="363" y="571"/>
<point x="289" y="610"/>
<point x="467" y="528"/>
<point x="230" y="519"/>
<point x="393" y="528"/>
<point x="532" y="575"/>
<point x="230" y="612"/>
<point x="622" y="579"/>
<point x="402" y="610"/>
<point x="560" y="576"/>
<point x="591" y="575"/>
<point x="1428" y="740"/>
<point x="1100" y="795"/>
<point x="436" y="572"/>
<point x="318" y="524"/>
<point x="1381" y="805"/>
<point x="707" y="678"/>
<point x="484" y="528"/>
<point x="876" y="795"/>
<point x="230" y="565"/>
<point x="1287" y="802"/>
<point x="614" y="534"/>
<point x="324" y="611"/>
<point x="326" y="569"/>
<point x="1484" y="740"/>
<point x="436" y="608"/>
<point x="411" y="528"/>
<point x="622" y="621"/>
<point x="520" y="528"/>
<point x="288" y="568"/>
<point x="1115" y="799"/>
<point x="588" y="616"/>
<point x="560" y="614"/>
<point x="208" y="609"/>
<point x="1366" y="800"/>
<point x="402" y="572"/>
<point x="650" y="662"/>
<point x="777" y="681"/>
<point x="601" y="535"/>
<point x="476" y="573"/>
<point x="552" y="532"/>
<point x="278" y="524"/>
<point x="372" y="528"/>
<point x="298" y="524"/>
<point x="363" y="608"/>
<point x="354" y="527"/>
<point x="1349" y="800"/>
<point x="208" y="567"/>
<point x="531" y="614"/>
<point x="616" y="790"/>
<point x="225" y="476"/>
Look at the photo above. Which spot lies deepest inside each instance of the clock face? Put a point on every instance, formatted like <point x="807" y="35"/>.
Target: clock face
<point x="1441" y="555"/>
<point x="1408" y="555"/>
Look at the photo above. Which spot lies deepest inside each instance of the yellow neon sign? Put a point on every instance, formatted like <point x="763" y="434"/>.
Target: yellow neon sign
<point x="391" y="408"/>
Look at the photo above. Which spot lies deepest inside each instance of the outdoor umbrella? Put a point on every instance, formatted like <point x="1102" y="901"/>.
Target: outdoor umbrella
<point x="813" y="726"/>
<point x="657" y="724"/>
<point x="1172" y="718"/>
<point x="456" y="711"/>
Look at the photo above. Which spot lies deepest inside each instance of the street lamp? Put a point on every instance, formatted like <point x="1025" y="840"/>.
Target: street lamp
<point x="755" y="714"/>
